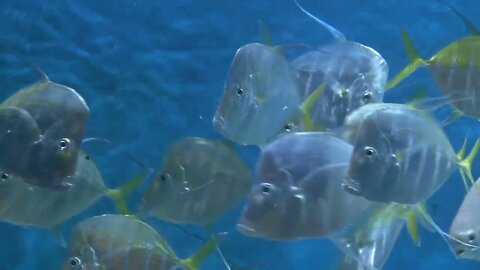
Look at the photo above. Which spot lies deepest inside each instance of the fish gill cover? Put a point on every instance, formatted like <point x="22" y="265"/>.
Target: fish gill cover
<point x="154" y="72"/>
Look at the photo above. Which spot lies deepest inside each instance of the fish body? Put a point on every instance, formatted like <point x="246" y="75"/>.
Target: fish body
<point x="260" y="96"/>
<point x="61" y="115"/>
<point x="297" y="190"/>
<point x="401" y="154"/>
<point x="199" y="180"/>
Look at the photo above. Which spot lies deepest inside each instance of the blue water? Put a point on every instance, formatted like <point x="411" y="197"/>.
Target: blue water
<point x="153" y="71"/>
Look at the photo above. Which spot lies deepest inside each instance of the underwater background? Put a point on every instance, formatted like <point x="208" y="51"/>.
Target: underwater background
<point x="152" y="71"/>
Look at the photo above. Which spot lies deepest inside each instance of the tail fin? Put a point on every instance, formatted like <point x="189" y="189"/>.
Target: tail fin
<point x="307" y="105"/>
<point x="334" y="32"/>
<point x="194" y="261"/>
<point x="466" y="163"/>
<point x="415" y="61"/>
<point x="120" y="194"/>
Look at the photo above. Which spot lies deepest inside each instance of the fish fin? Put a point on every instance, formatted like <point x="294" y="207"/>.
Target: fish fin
<point x="43" y="76"/>
<point x="471" y="28"/>
<point x="195" y="260"/>
<point x="57" y="231"/>
<point x="415" y="61"/>
<point x="265" y="34"/>
<point x="412" y="228"/>
<point x="119" y="195"/>
<point x="466" y="163"/>
<point x="307" y="105"/>
<point x="333" y="31"/>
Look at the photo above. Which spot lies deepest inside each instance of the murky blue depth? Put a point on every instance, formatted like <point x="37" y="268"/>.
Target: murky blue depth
<point x="153" y="71"/>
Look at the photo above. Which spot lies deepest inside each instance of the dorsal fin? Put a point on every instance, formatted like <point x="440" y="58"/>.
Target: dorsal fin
<point x="471" y="28"/>
<point x="265" y="34"/>
<point x="44" y="77"/>
<point x="333" y="31"/>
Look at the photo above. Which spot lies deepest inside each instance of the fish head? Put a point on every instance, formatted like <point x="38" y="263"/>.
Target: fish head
<point x="74" y="263"/>
<point x="374" y="164"/>
<point x="466" y="244"/>
<point x="271" y="207"/>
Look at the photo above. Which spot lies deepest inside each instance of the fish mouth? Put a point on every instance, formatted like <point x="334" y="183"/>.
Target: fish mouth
<point x="351" y="186"/>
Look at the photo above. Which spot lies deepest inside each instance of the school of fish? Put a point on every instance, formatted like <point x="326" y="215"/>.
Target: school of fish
<point x="336" y="161"/>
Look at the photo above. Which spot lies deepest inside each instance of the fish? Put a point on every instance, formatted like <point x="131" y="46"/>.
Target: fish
<point x="61" y="115"/>
<point x="454" y="68"/>
<point x="466" y="226"/>
<point x="353" y="73"/>
<point x="297" y="190"/>
<point x="198" y="181"/>
<point x="29" y="205"/>
<point x="124" y="242"/>
<point x="401" y="154"/>
<point x="260" y="96"/>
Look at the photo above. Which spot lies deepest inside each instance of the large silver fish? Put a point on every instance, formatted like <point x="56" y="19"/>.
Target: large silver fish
<point x="260" y="96"/>
<point x="297" y="189"/>
<point x="401" y="154"/>
<point x="199" y="180"/>
<point x="61" y="115"/>
<point x="111" y="242"/>
<point x="354" y="75"/>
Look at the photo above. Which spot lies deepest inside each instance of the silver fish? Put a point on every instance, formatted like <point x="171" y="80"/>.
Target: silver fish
<point x="61" y="115"/>
<point x="297" y="189"/>
<point x="199" y="180"/>
<point x="259" y="98"/>
<point x="401" y="154"/>
<point x="110" y="242"/>
<point x="354" y="75"/>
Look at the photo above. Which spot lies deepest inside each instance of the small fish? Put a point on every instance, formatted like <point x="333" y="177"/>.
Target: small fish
<point x="466" y="226"/>
<point x="354" y="75"/>
<point x="29" y="205"/>
<point x="455" y="69"/>
<point x="401" y="154"/>
<point x="297" y="190"/>
<point x="200" y="180"/>
<point x="61" y="115"/>
<point x="259" y="98"/>
<point x="111" y="242"/>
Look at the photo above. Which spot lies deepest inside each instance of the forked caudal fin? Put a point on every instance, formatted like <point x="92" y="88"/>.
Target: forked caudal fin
<point x="307" y="105"/>
<point x="415" y="61"/>
<point x="120" y="194"/>
<point x="466" y="163"/>
<point x="194" y="261"/>
<point x="334" y="32"/>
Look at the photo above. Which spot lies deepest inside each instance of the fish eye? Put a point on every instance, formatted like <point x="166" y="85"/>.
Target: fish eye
<point x="288" y="127"/>
<point x="75" y="263"/>
<point x="471" y="237"/>
<point x="87" y="157"/>
<point x="4" y="176"/>
<point x="240" y="91"/>
<point x="369" y="151"/>
<point x="63" y="143"/>
<point x="266" y="188"/>
<point x="164" y="177"/>
<point x="367" y="95"/>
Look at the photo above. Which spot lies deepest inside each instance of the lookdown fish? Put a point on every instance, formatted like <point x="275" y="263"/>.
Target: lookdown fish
<point x="354" y="75"/>
<point x="466" y="226"/>
<point x="61" y="115"/>
<point x="111" y="242"/>
<point x="401" y="154"/>
<point x="297" y="189"/>
<point x="455" y="69"/>
<point x="29" y="205"/>
<point x="199" y="180"/>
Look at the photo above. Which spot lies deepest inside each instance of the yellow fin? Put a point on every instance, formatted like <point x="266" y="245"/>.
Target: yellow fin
<point x="194" y="261"/>
<point x="466" y="163"/>
<point x="119" y="195"/>
<point x="415" y="61"/>
<point x="307" y="106"/>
